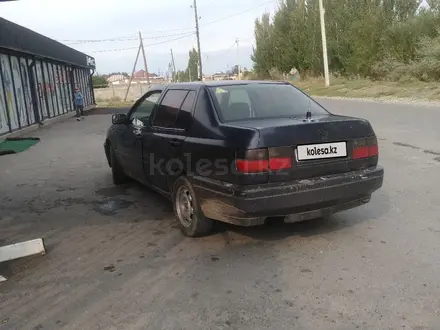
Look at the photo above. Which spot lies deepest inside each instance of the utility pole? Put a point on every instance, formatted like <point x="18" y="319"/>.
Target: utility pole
<point x="174" y="65"/>
<point x="132" y="73"/>
<point x="145" y="58"/>
<point x="198" y="40"/>
<point x="238" y="60"/>
<point x="324" y="44"/>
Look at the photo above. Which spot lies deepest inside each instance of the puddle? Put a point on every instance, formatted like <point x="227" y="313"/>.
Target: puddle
<point x="112" y="191"/>
<point x="109" y="268"/>
<point x="62" y="202"/>
<point x="63" y="189"/>
<point x="111" y="206"/>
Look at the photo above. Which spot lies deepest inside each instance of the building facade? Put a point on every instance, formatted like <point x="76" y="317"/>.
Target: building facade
<point x="38" y="76"/>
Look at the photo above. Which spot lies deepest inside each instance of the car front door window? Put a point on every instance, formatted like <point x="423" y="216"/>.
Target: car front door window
<point x="143" y="111"/>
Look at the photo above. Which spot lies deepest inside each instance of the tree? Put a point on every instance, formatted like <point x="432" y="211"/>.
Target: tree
<point x="234" y="70"/>
<point x="192" y="69"/>
<point x="360" y="34"/>
<point x="427" y="68"/>
<point x="99" y="81"/>
<point x="263" y="53"/>
<point x="182" y="76"/>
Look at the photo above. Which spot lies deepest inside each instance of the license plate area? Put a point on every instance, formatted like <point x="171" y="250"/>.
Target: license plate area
<point x="321" y="151"/>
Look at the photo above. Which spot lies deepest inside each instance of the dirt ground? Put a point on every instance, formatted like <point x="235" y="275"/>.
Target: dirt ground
<point x="116" y="259"/>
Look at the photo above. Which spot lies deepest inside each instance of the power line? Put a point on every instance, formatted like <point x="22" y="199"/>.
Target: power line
<point x="226" y="17"/>
<point x="130" y="48"/>
<point x="130" y="38"/>
<point x="112" y="50"/>
<point x="85" y="40"/>
<point x="220" y="52"/>
<point x="170" y="30"/>
<point x="134" y="37"/>
<point x="166" y="41"/>
<point x="237" y="14"/>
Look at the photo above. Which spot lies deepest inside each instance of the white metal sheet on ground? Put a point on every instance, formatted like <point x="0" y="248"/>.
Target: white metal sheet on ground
<point x="23" y="249"/>
<point x="322" y="150"/>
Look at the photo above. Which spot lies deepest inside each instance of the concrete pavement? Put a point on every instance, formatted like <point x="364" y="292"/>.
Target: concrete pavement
<point x="116" y="259"/>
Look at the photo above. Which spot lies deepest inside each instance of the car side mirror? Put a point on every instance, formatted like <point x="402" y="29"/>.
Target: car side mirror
<point x="119" y="118"/>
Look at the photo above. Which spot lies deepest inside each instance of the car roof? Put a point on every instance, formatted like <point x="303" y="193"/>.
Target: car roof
<point x="240" y="82"/>
<point x="215" y="83"/>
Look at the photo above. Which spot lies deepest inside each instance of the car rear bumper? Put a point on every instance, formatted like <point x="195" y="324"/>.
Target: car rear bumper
<point x="300" y="200"/>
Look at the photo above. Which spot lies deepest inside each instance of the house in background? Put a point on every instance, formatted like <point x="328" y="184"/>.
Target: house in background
<point x="219" y="76"/>
<point x="141" y="77"/>
<point x="116" y="79"/>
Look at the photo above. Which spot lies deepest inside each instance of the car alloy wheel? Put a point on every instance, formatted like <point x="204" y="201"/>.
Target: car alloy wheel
<point x="185" y="206"/>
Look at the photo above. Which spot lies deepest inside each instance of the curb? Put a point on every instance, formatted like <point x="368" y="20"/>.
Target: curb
<point x="47" y="122"/>
<point x="12" y="138"/>
<point x="402" y="101"/>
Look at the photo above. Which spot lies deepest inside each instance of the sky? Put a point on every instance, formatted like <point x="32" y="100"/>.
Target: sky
<point x="161" y="22"/>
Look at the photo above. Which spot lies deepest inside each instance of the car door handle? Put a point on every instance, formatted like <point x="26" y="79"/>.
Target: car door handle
<point x="137" y="131"/>
<point x="174" y="143"/>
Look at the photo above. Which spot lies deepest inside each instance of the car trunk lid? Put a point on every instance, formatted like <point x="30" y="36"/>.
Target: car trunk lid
<point x="319" y="146"/>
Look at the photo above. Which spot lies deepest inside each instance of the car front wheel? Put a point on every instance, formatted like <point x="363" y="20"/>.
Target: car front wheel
<point x="191" y="219"/>
<point x="117" y="172"/>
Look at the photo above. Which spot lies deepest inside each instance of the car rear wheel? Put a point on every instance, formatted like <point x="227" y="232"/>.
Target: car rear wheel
<point x="117" y="172"/>
<point x="191" y="219"/>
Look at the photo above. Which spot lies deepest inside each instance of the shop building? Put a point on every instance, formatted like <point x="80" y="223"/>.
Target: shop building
<point x="38" y="76"/>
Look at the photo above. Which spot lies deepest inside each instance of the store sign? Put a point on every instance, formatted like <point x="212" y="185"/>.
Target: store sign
<point x="90" y="61"/>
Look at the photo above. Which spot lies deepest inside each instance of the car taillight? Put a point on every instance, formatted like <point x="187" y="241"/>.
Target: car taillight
<point x="280" y="163"/>
<point x="264" y="160"/>
<point x="252" y="166"/>
<point x="365" y="148"/>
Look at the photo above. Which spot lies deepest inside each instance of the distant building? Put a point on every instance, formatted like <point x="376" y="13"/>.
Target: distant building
<point x="219" y="75"/>
<point x="116" y="79"/>
<point x="141" y="74"/>
<point x="140" y="77"/>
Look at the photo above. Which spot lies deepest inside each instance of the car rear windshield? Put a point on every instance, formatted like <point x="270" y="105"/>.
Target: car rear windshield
<point x="262" y="101"/>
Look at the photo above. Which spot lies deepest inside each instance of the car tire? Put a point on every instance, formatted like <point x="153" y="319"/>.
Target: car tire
<point x="118" y="174"/>
<point x="192" y="221"/>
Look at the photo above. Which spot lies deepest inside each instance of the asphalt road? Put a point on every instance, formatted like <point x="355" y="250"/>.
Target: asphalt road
<point x="116" y="259"/>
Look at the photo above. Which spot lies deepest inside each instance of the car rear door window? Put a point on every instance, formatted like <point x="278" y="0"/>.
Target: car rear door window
<point x="189" y="102"/>
<point x="168" y="114"/>
<point x="185" y="114"/>
<point x="168" y="110"/>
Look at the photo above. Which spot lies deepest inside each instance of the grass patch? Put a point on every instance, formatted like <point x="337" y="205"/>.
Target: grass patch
<point x="364" y="88"/>
<point x="114" y="104"/>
